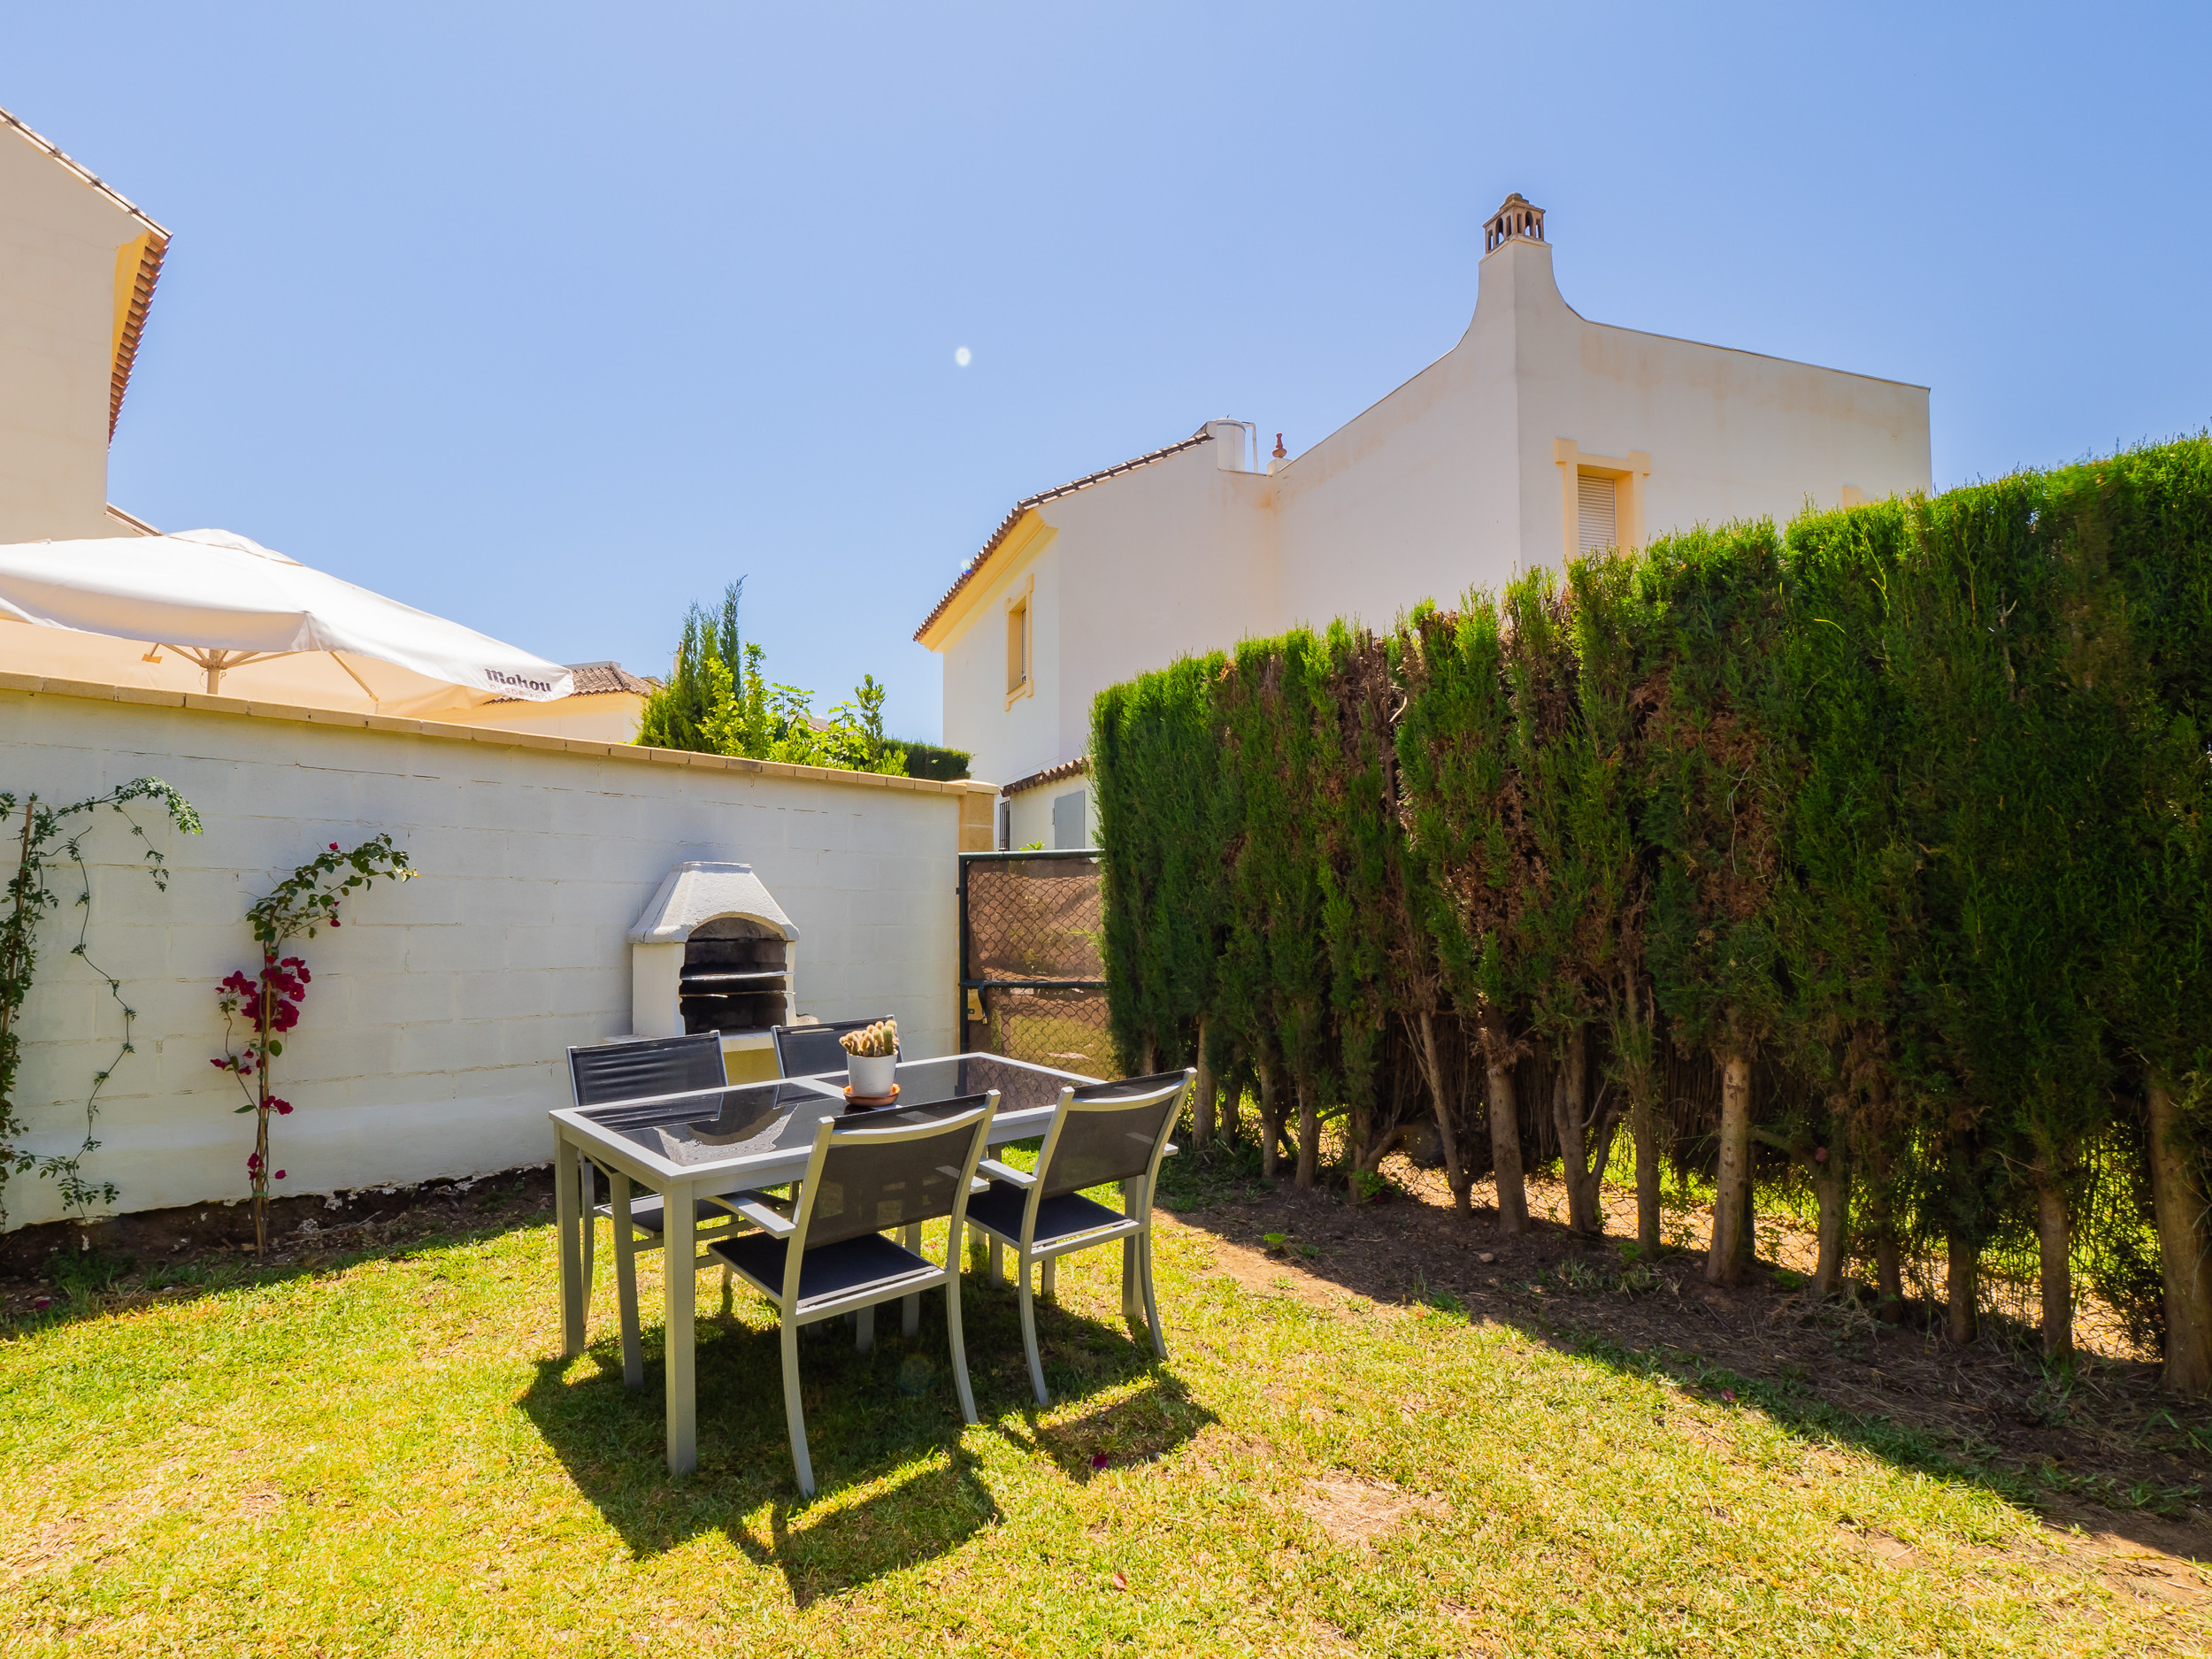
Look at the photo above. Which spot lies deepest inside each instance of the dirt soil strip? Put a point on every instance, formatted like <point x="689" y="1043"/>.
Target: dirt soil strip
<point x="2114" y="1431"/>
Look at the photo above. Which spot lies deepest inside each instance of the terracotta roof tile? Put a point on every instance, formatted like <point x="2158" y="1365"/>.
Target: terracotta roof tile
<point x="1066" y="769"/>
<point x="592" y="679"/>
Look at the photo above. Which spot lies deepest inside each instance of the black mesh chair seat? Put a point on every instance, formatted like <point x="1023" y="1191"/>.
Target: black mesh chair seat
<point x="869" y="1262"/>
<point x="1062" y="1215"/>
<point x="1103" y="1134"/>
<point x="602" y="1072"/>
<point x="645" y="1212"/>
<point x="813" y="1051"/>
<point x="895" y="1171"/>
<point x="641" y="1068"/>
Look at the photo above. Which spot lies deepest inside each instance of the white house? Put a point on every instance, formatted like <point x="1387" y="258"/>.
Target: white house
<point x="1538" y="435"/>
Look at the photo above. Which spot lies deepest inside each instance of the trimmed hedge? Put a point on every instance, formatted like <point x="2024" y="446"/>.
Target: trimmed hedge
<point x="1869" y="858"/>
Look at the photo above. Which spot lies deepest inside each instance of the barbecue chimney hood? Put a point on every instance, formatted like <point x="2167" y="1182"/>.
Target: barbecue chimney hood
<point x="714" y="952"/>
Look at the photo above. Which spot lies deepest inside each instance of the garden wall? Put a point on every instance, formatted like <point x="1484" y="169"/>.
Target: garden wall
<point x="431" y="1042"/>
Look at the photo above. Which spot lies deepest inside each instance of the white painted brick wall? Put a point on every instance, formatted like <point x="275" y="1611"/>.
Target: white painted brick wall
<point x="433" y="1036"/>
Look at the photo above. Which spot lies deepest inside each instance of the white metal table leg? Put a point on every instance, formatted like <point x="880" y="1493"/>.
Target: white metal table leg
<point x="587" y="1217"/>
<point x="680" y="1280"/>
<point x="1131" y="1297"/>
<point x="911" y="1307"/>
<point x="571" y="1264"/>
<point x="626" y="1282"/>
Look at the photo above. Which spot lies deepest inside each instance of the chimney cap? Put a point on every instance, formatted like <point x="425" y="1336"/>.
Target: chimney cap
<point x="1516" y="220"/>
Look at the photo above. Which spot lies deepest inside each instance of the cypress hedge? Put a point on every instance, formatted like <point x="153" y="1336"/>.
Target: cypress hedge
<point x="1868" y="859"/>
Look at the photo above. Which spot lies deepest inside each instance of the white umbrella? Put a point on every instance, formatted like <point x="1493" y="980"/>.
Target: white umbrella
<point x="222" y="602"/>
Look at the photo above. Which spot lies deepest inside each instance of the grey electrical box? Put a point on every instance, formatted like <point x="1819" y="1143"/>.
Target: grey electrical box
<point x="1070" y="833"/>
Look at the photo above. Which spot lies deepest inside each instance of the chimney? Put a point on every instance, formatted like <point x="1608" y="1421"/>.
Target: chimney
<point x="1514" y="221"/>
<point x="1229" y="436"/>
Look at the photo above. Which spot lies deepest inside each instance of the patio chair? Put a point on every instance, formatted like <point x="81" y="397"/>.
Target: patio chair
<point x="600" y="1074"/>
<point x="827" y="1255"/>
<point x="810" y="1050"/>
<point x="1106" y="1132"/>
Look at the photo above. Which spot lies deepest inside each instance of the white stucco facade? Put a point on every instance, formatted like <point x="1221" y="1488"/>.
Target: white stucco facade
<point x="73" y="255"/>
<point x="1465" y="475"/>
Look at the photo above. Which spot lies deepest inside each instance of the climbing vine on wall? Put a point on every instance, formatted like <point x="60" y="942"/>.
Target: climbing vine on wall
<point x="28" y="898"/>
<point x="269" y="1000"/>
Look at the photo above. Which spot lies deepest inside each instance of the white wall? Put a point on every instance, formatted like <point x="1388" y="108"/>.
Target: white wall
<point x="58" y="237"/>
<point x="432" y="1039"/>
<point x="1172" y="560"/>
<point x="1450" y="482"/>
<point x="1004" y="741"/>
<point x="1029" y="814"/>
<point x="606" y="716"/>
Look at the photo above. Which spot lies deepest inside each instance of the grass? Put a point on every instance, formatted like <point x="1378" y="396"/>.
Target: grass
<point x="388" y="1456"/>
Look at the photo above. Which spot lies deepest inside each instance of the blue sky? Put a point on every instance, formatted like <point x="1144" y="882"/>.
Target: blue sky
<point x="554" y="319"/>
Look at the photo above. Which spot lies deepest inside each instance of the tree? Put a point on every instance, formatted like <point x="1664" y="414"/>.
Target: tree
<point x="1464" y="818"/>
<point x="1710" y="812"/>
<point x="677" y="710"/>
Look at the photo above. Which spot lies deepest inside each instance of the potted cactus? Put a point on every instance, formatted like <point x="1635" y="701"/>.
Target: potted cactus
<point x="871" y="1057"/>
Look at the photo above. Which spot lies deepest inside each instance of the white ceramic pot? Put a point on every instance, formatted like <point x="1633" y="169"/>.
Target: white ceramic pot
<point x="870" y="1074"/>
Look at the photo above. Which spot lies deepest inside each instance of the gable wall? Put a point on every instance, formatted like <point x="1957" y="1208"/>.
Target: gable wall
<point x="58" y="245"/>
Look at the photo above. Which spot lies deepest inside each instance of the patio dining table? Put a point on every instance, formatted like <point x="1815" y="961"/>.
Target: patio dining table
<point x="713" y="1142"/>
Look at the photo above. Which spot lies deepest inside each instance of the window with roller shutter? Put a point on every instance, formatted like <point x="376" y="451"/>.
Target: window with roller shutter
<point x="1599" y="502"/>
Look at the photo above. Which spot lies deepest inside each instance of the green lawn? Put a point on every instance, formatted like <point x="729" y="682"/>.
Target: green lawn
<point x="387" y="1455"/>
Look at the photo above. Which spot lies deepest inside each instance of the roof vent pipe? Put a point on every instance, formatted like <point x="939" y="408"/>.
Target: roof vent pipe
<point x="1230" y="438"/>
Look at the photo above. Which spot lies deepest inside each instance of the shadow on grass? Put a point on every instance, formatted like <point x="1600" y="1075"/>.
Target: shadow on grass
<point x="1755" y="1350"/>
<point x="895" y="1483"/>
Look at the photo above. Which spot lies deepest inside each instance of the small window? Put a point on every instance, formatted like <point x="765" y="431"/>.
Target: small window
<point x="1016" y="646"/>
<point x="1599" y="499"/>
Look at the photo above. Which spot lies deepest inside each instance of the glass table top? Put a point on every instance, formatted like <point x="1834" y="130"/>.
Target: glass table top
<point x="759" y="1120"/>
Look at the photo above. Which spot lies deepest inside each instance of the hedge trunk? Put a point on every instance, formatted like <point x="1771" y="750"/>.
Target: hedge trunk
<point x="1505" y="1147"/>
<point x="1644" y="1130"/>
<point x="1731" y="1198"/>
<point x="2178" y="1201"/>
<point x="2054" y="1233"/>
<point x="1889" y="1267"/>
<point x="1448" y="1136"/>
<point x="1271" y="1126"/>
<point x="1831" y="1180"/>
<point x="1202" y="1119"/>
<point x="1308" y="1133"/>
<point x="1962" y="1290"/>
<point x="1643" y="1123"/>
<point x="1571" y="1115"/>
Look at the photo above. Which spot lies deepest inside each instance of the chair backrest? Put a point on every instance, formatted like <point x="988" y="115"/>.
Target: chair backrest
<point x="1110" y="1131"/>
<point x="917" y="1167"/>
<point x="810" y="1050"/>
<point x="603" y="1071"/>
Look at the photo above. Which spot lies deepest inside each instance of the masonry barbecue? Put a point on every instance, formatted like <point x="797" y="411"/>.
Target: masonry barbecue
<point x="715" y="952"/>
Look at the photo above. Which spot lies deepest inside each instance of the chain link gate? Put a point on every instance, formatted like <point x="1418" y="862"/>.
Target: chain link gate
<point x="1033" y="985"/>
